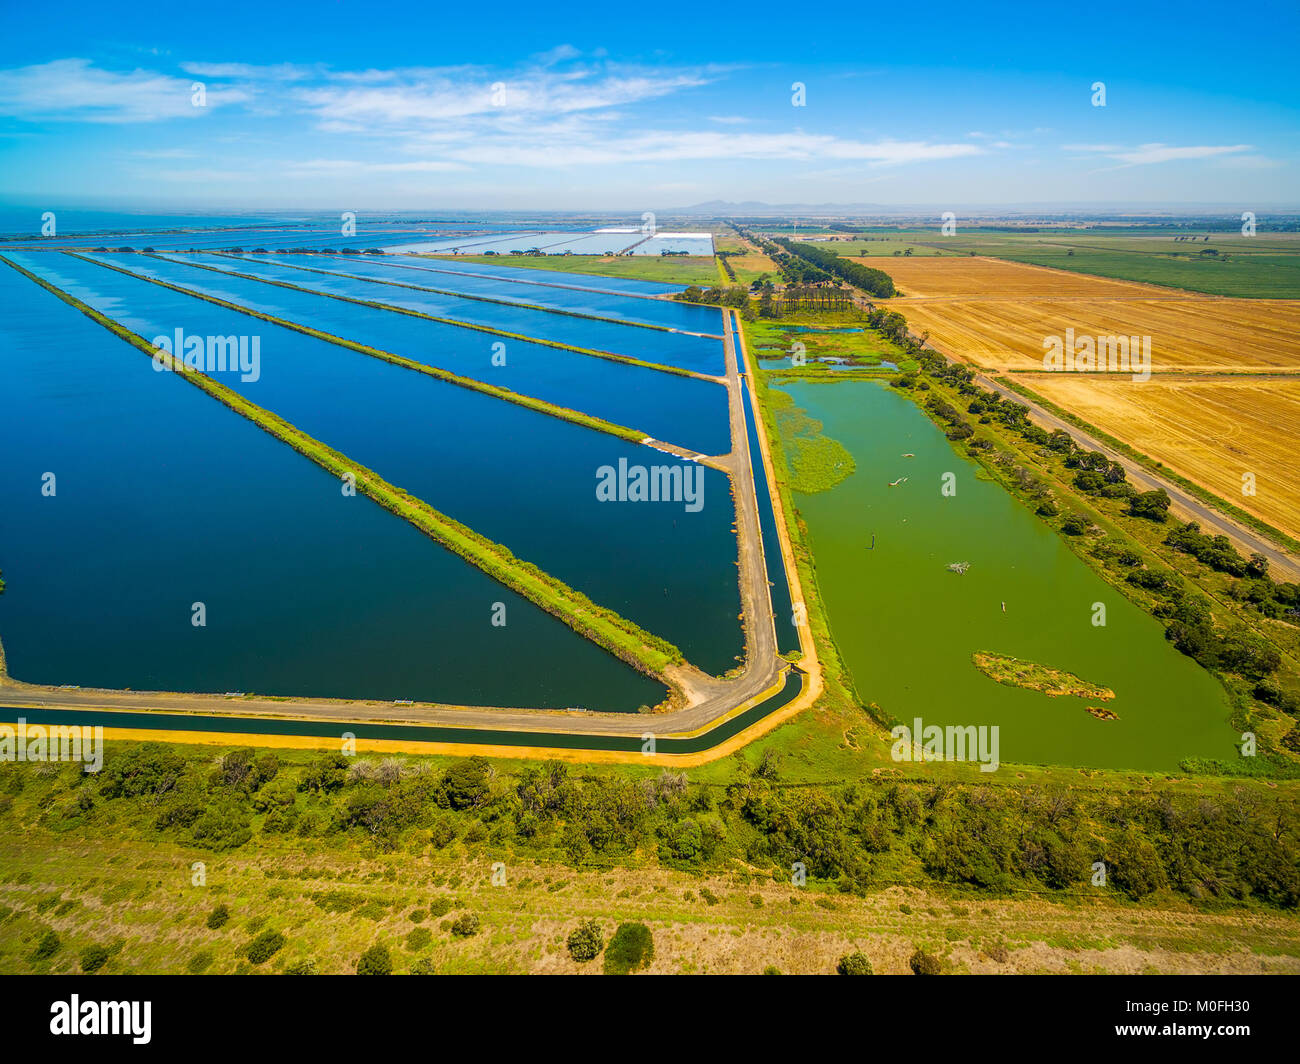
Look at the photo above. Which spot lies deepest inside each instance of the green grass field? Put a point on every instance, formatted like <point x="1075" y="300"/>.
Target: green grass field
<point x="1266" y="266"/>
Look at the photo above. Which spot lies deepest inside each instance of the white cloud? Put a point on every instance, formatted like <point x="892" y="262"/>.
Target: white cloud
<point x="75" y="90"/>
<point x="412" y="99"/>
<point x="560" y="111"/>
<point x="1146" y="154"/>
<point x="252" y="71"/>
<point x="652" y="147"/>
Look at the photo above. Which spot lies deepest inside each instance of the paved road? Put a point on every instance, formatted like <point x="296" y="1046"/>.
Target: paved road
<point x="709" y="699"/>
<point x="1184" y="505"/>
<point x="1282" y="564"/>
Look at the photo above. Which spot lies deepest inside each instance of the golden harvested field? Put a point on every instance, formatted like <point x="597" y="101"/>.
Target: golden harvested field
<point x="964" y="277"/>
<point x="1194" y="414"/>
<point x="1209" y="429"/>
<point x="996" y="315"/>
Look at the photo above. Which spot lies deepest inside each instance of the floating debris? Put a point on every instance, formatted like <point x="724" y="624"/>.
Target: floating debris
<point x="909" y="456"/>
<point x="895" y="483"/>
<point x="1102" y="713"/>
<point x="958" y="567"/>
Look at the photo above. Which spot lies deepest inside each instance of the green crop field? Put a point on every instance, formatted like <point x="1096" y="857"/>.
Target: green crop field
<point x="1266" y="266"/>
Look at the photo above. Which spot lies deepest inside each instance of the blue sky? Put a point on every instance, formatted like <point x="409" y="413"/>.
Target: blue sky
<point x="338" y="104"/>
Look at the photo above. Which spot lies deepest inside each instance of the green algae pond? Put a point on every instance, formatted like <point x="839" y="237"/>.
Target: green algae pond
<point x="907" y="625"/>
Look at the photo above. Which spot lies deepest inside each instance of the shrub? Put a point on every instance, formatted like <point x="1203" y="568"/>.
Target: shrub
<point x="923" y="963"/>
<point x="1136" y="868"/>
<point x="465" y="925"/>
<point x="47" y="946"/>
<point x="145" y="770"/>
<point x="424" y="966"/>
<point x="200" y="962"/>
<point x="1153" y="505"/>
<point x="93" y="958"/>
<point x="264" y="947"/>
<point x="418" y="938"/>
<point x="631" y="948"/>
<point x="772" y="969"/>
<point x="1075" y="525"/>
<point x="375" y="961"/>
<point x="305" y="966"/>
<point x="465" y="783"/>
<point x="224" y="825"/>
<point x="439" y="908"/>
<point x="586" y="941"/>
<point x="854" y="964"/>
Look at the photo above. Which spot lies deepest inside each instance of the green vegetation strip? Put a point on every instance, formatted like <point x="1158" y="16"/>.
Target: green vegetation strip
<point x="817" y="462"/>
<point x="1035" y="677"/>
<point x="394" y="309"/>
<point x="527" y="401"/>
<point x="423" y="288"/>
<point x="839" y="690"/>
<point x="621" y="637"/>
<point x="1191" y="487"/>
<point x="662" y="269"/>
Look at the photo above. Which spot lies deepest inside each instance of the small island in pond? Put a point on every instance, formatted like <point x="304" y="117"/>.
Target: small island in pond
<point x="1052" y="682"/>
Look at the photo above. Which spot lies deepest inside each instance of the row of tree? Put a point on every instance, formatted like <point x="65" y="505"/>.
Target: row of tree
<point x="870" y="280"/>
<point x="861" y="836"/>
<point x="1188" y="615"/>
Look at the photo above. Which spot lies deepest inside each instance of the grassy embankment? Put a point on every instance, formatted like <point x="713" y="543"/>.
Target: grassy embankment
<point x="675" y="269"/>
<point x="621" y="637"/>
<point x="559" y="311"/>
<point x="446" y="376"/>
<point x="504" y="334"/>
